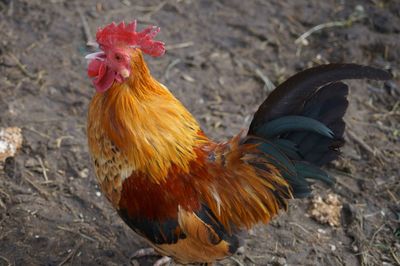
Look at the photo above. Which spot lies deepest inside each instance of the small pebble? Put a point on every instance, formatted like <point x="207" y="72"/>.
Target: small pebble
<point x="84" y="173"/>
<point x="281" y="261"/>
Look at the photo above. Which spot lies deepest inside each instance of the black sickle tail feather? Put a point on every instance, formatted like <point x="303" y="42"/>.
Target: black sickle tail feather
<point x="301" y="121"/>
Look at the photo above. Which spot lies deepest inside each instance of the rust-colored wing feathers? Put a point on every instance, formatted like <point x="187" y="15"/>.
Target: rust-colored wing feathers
<point x="243" y="188"/>
<point x="201" y="244"/>
<point x="194" y="227"/>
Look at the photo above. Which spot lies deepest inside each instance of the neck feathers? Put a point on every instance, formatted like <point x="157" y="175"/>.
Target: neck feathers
<point x="146" y="123"/>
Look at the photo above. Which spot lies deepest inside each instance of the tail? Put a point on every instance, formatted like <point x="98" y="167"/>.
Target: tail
<point x="301" y="124"/>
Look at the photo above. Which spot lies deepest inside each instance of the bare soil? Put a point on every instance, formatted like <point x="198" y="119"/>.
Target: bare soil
<point x="220" y="54"/>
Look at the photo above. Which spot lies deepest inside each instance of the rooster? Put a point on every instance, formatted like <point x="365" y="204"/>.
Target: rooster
<point x="191" y="197"/>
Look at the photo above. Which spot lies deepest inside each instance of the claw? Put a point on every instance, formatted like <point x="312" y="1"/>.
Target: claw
<point x="151" y="252"/>
<point x="163" y="261"/>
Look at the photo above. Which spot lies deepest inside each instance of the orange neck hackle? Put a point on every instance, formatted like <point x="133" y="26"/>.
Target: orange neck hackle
<point x="140" y="116"/>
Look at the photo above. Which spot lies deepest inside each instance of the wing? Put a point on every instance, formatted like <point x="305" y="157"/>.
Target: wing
<point x="243" y="185"/>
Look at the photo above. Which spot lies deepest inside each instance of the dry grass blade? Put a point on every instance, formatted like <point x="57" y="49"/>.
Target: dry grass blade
<point x="151" y="10"/>
<point x="37" y="132"/>
<point x="77" y="232"/>
<point x="395" y="111"/>
<point x="60" y="139"/>
<point x="394" y="256"/>
<point x="90" y="41"/>
<point x="155" y="10"/>
<point x="268" y="84"/>
<point x="41" y="191"/>
<point x="132" y="8"/>
<point x="5" y="194"/>
<point x="6" y="260"/>
<point x="170" y="66"/>
<point x="71" y="254"/>
<point x="22" y="67"/>
<point x="392" y="195"/>
<point x="302" y="228"/>
<point x="44" y="171"/>
<point x="179" y="45"/>
<point x="376" y="233"/>
<point x="236" y="261"/>
<point x="357" y="15"/>
<point x="362" y="143"/>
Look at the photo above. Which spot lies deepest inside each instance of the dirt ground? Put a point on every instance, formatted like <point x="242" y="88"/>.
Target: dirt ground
<point x="220" y="55"/>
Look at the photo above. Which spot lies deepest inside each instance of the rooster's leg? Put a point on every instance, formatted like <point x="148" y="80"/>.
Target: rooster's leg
<point x="144" y="252"/>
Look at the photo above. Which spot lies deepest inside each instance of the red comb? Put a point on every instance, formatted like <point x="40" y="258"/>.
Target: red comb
<point x="121" y="34"/>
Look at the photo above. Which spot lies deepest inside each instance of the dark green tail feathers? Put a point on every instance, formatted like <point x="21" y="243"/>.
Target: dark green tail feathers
<point x="301" y="124"/>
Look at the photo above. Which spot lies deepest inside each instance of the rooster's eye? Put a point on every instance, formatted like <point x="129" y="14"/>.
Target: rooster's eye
<point x="118" y="57"/>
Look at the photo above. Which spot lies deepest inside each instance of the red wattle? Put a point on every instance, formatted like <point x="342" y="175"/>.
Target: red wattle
<point x="103" y="77"/>
<point x="104" y="80"/>
<point x="93" y="68"/>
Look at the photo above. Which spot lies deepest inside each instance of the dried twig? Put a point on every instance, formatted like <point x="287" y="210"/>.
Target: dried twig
<point x="394" y="198"/>
<point x="132" y="8"/>
<point x="378" y="125"/>
<point x="60" y="139"/>
<point x="344" y="184"/>
<point x="37" y="187"/>
<point x="268" y="84"/>
<point x="362" y="143"/>
<point x="250" y="258"/>
<point x="90" y="41"/>
<point x="44" y="171"/>
<point x="6" y="260"/>
<point x="236" y="261"/>
<point x="71" y="254"/>
<point x="77" y="232"/>
<point x="302" y="228"/>
<point x="22" y="67"/>
<point x="151" y="10"/>
<point x="170" y="66"/>
<point x="178" y="45"/>
<point x="394" y="256"/>
<point x="303" y="38"/>
<point x="155" y="10"/>
<point x="376" y="233"/>
<point x="5" y="194"/>
<point x="37" y="132"/>
<point x="395" y="111"/>
<point x="355" y="16"/>
<point x="10" y="10"/>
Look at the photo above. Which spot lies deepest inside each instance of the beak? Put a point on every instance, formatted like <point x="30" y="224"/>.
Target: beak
<point x="97" y="55"/>
<point x="125" y="73"/>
